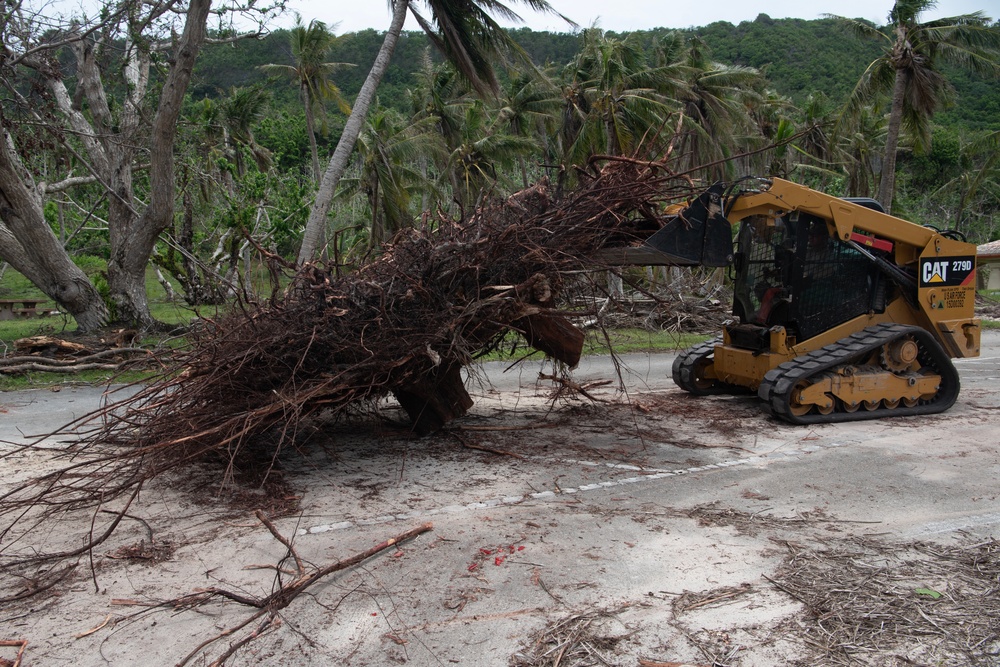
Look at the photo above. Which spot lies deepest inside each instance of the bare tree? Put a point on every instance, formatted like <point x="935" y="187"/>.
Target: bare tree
<point x="110" y="139"/>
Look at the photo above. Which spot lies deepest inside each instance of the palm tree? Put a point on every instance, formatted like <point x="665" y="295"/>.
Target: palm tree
<point x="716" y="104"/>
<point x="816" y="142"/>
<point x="243" y="109"/>
<point x="615" y="99"/>
<point x="439" y="95"/>
<point x="388" y="147"/>
<point x="310" y="46"/>
<point x="908" y="71"/>
<point x="483" y="157"/>
<point x="469" y="38"/>
<point x="774" y="126"/>
<point x="528" y="108"/>
<point x="858" y="143"/>
<point x="223" y="129"/>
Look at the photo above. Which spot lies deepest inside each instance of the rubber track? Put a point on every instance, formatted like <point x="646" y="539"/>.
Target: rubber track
<point x="776" y="389"/>
<point x="683" y="371"/>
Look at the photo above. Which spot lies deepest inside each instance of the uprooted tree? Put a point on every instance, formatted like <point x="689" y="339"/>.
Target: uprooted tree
<point x="402" y="325"/>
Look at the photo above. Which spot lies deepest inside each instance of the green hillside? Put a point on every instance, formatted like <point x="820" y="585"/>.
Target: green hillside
<point x="798" y="57"/>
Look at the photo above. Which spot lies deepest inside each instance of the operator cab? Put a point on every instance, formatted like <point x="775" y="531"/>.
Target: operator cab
<point x="793" y="272"/>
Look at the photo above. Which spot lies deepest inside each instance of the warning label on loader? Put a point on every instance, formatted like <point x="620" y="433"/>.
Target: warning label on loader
<point x="947" y="271"/>
<point x="953" y="298"/>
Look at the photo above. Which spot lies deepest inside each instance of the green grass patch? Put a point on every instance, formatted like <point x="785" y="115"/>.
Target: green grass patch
<point x="50" y="325"/>
<point x="638" y="340"/>
<point x="991" y="296"/>
<point x="35" y="380"/>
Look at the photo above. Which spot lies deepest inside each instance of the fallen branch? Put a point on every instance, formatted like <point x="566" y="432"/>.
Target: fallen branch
<point x="502" y="452"/>
<point x="582" y="389"/>
<point x="22" y="644"/>
<point x="43" y="368"/>
<point x="35" y="586"/>
<point x="87" y="633"/>
<point x="49" y="361"/>
<point x="524" y="427"/>
<point x="270" y="606"/>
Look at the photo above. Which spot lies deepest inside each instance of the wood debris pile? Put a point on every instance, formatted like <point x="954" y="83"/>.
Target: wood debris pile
<point x="402" y="325"/>
<point x="677" y="300"/>
<point x="46" y="354"/>
<point x="579" y="640"/>
<point x="916" y="603"/>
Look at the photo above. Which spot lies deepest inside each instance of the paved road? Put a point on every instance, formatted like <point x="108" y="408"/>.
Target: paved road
<point x="44" y="410"/>
<point x="542" y="515"/>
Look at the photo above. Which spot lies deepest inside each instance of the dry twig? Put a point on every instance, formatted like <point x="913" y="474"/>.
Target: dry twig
<point x="269" y="607"/>
<point x="21" y="644"/>
<point x="578" y="640"/>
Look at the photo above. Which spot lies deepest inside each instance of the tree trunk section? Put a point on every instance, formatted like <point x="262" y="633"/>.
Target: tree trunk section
<point x="435" y="399"/>
<point x="29" y="245"/>
<point x="132" y="248"/>
<point x="316" y="224"/>
<point x="887" y="184"/>
<point x="554" y="335"/>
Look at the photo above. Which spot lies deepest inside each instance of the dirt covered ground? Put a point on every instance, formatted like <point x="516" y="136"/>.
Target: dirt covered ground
<point x="644" y="528"/>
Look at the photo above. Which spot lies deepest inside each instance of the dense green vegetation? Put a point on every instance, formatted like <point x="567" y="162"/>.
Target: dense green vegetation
<point x="771" y="91"/>
<point x="799" y="58"/>
<point x="807" y="71"/>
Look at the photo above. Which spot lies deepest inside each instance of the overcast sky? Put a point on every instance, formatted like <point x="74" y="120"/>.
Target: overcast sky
<point x="622" y="15"/>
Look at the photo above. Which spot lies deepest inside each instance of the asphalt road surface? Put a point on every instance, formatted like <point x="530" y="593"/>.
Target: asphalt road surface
<point x="644" y="526"/>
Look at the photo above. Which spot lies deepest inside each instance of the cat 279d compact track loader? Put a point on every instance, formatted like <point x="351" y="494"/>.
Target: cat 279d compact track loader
<point x="841" y="312"/>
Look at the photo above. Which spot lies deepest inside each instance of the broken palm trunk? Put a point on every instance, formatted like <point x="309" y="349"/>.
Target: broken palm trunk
<point x="439" y="396"/>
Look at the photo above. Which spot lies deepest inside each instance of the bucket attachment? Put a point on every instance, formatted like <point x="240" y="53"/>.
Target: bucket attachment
<point x="700" y="235"/>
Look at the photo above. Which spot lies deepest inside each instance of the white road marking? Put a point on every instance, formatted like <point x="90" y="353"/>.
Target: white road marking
<point x="649" y="476"/>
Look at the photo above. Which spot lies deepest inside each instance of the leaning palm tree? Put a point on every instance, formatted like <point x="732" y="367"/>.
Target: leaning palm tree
<point x="856" y="145"/>
<point x="310" y="46"/>
<point x="774" y="128"/>
<point x="908" y="71"/>
<point x="468" y="36"/>
<point x="816" y="143"/>
<point x="241" y="110"/>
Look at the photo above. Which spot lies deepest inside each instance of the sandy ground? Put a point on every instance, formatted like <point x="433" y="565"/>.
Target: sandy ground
<point x="648" y="528"/>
